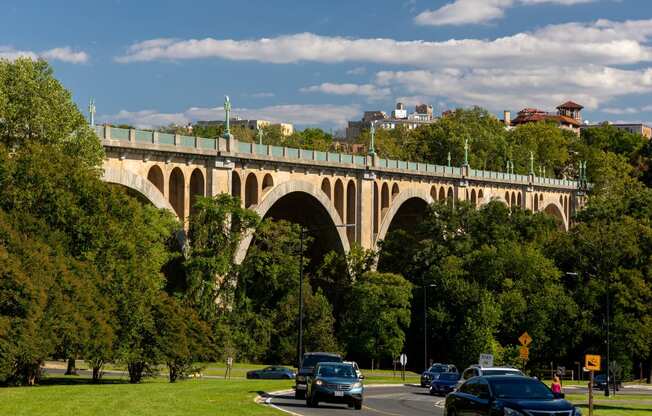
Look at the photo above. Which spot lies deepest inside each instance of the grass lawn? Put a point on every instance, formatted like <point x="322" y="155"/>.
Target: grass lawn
<point x="74" y="396"/>
<point x="621" y="405"/>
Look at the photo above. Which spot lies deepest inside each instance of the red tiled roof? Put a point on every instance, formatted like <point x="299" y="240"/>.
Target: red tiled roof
<point x="570" y="105"/>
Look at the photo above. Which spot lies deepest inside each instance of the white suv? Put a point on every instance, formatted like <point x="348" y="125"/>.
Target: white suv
<point x="476" y="370"/>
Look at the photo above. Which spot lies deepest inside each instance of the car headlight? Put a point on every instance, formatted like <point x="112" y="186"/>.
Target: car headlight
<point x="356" y="385"/>
<point x="319" y="382"/>
<point x="577" y="411"/>
<point x="301" y="378"/>
<point x="512" y="412"/>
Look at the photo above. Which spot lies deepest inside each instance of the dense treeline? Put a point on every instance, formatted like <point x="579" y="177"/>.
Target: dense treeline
<point x="88" y="271"/>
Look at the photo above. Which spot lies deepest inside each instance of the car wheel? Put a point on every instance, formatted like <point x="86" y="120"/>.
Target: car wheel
<point x="357" y="404"/>
<point x="299" y="395"/>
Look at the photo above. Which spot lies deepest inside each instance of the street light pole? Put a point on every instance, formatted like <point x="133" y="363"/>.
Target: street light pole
<point x="606" y="389"/>
<point x="425" y="325"/>
<point x="301" y="237"/>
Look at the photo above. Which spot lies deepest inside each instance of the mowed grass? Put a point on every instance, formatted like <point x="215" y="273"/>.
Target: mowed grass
<point x="74" y="396"/>
<point x="621" y="405"/>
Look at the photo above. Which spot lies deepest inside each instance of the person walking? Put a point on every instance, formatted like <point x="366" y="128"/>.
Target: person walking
<point x="556" y="385"/>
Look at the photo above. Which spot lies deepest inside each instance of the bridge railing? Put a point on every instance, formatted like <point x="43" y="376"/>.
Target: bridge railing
<point x="220" y="144"/>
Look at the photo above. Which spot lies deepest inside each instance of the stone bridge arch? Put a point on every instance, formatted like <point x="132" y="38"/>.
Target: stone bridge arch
<point x="555" y="209"/>
<point x="398" y="203"/>
<point x="139" y="184"/>
<point x="308" y="190"/>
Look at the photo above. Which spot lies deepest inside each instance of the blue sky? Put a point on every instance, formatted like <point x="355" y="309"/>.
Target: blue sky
<point x="319" y="63"/>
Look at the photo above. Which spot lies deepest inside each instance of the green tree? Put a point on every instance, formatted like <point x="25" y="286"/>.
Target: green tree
<point x="377" y="315"/>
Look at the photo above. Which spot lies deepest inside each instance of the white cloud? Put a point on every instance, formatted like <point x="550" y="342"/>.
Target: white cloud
<point x="64" y="54"/>
<point x="262" y="95"/>
<point x="601" y="42"/>
<point x="498" y="89"/>
<point x="360" y="70"/>
<point x="464" y="11"/>
<point x="300" y="114"/>
<point x="461" y="12"/>
<point x="627" y="110"/>
<point x="366" y="90"/>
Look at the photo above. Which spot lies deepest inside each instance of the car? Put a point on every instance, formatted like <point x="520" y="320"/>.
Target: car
<point x="508" y="395"/>
<point x="477" y="370"/>
<point x="433" y="372"/>
<point x="273" y="372"/>
<point x="444" y="384"/>
<point x="335" y="383"/>
<point x="356" y="368"/>
<point x="600" y="382"/>
<point x="308" y="363"/>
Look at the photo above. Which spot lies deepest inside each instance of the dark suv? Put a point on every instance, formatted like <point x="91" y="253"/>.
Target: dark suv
<point x="310" y="360"/>
<point x="507" y="396"/>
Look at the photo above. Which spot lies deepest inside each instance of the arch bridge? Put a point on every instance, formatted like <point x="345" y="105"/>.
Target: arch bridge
<point x="317" y="189"/>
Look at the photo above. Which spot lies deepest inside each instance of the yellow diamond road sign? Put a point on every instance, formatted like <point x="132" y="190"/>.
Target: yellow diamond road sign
<point x="525" y="339"/>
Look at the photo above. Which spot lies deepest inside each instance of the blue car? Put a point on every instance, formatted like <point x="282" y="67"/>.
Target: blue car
<point x="507" y="396"/>
<point x="444" y="384"/>
<point x="272" y="373"/>
<point x="335" y="383"/>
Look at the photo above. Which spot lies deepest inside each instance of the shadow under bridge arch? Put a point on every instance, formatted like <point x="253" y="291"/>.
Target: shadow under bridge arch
<point x="406" y="211"/>
<point x="305" y="204"/>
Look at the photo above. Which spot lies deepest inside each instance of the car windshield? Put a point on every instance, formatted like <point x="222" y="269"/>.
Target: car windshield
<point x="313" y="360"/>
<point x="520" y="388"/>
<point x="438" y="369"/>
<point x="449" y="376"/>
<point x="505" y="372"/>
<point x="338" y="371"/>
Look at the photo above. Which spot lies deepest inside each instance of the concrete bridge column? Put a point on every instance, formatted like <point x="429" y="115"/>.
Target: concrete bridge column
<point x="365" y="215"/>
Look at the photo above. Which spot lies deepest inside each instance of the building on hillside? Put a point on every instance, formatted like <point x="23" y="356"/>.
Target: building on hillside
<point x="636" y="128"/>
<point x="399" y="117"/>
<point x="287" y="129"/>
<point x="568" y="116"/>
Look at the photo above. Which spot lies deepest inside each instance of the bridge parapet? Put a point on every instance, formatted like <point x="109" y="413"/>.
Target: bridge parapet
<point x="180" y="144"/>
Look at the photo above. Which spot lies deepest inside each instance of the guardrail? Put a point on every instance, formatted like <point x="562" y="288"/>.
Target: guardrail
<point x="245" y="148"/>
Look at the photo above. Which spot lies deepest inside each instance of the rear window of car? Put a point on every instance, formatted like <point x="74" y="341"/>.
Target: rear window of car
<point x="505" y="372"/>
<point x="521" y="389"/>
<point x="439" y="369"/>
<point x="313" y="360"/>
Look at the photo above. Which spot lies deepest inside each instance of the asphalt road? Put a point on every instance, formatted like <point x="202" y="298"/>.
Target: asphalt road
<point x="378" y="400"/>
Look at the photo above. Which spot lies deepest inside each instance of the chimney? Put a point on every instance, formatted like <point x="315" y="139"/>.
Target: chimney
<point x="507" y="118"/>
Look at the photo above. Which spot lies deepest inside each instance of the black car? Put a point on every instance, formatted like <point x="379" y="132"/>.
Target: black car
<point x="600" y="382"/>
<point x="444" y="384"/>
<point x="335" y="383"/>
<point x="433" y="372"/>
<point x="507" y="396"/>
<point x="272" y="373"/>
<point x="310" y="360"/>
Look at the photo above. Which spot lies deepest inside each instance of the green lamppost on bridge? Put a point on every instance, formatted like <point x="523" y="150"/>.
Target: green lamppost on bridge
<point x="260" y="136"/>
<point x="466" y="152"/>
<point x="227" y="117"/>
<point x="449" y="159"/>
<point x="372" y="141"/>
<point x="91" y="111"/>
<point x="531" y="163"/>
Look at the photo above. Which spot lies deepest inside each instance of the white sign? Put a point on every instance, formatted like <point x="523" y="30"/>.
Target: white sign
<point x="403" y="360"/>
<point x="486" y="360"/>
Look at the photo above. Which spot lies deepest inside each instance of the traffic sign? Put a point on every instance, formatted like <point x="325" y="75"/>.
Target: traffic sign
<point x="561" y="371"/>
<point x="486" y="360"/>
<point x="403" y="360"/>
<point x="592" y="362"/>
<point x="524" y="352"/>
<point x="525" y="339"/>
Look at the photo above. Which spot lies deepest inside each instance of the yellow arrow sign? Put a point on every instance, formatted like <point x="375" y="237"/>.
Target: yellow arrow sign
<point x="525" y="339"/>
<point x="592" y="362"/>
